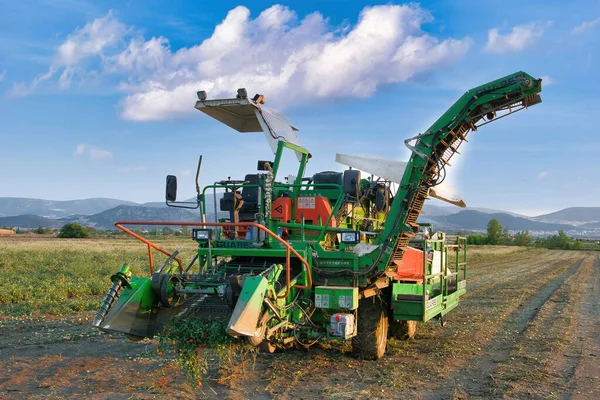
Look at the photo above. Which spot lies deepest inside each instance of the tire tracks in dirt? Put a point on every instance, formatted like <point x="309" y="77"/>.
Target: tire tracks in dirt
<point x="476" y="381"/>
<point x="496" y="279"/>
<point x="582" y="356"/>
<point x="555" y="354"/>
<point x="478" y="318"/>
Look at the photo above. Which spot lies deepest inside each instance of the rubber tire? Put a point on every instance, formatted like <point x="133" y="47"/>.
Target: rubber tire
<point x="258" y="337"/>
<point x="266" y="347"/>
<point x="371" y="339"/>
<point x="403" y="329"/>
<point x="261" y="330"/>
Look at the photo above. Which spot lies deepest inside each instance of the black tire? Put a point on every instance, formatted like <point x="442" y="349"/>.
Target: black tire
<point x="266" y="347"/>
<point x="261" y="330"/>
<point x="403" y="329"/>
<point x="372" y="325"/>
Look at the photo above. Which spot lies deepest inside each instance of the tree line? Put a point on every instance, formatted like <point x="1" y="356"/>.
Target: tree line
<point x="498" y="235"/>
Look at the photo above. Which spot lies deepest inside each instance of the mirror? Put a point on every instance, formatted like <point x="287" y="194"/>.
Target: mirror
<point x="171" y="190"/>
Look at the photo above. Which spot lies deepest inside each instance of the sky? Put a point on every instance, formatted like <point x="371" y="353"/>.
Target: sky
<point x="97" y="98"/>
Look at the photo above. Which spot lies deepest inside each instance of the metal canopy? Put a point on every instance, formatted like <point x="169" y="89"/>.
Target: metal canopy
<point x="238" y="114"/>
<point x="244" y="115"/>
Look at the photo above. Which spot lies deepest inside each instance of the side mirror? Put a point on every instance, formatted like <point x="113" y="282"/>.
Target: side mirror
<point x="171" y="189"/>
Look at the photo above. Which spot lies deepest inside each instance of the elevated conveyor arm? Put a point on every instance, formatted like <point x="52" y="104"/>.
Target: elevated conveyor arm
<point x="432" y="151"/>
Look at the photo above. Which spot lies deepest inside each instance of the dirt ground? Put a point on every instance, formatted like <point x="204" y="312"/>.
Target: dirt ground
<point x="529" y="327"/>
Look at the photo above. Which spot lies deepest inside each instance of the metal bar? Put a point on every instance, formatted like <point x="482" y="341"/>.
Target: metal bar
<point x="149" y="243"/>
<point x="150" y="259"/>
<point x="294" y="147"/>
<point x="221" y="224"/>
<point x="336" y="208"/>
<point x="424" y="305"/>
<point x="277" y="160"/>
<point x="434" y="275"/>
<point x="287" y="274"/>
<point x="298" y="181"/>
<point x="214" y="202"/>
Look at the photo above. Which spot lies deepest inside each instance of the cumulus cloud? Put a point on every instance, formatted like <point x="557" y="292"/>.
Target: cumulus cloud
<point x="542" y="174"/>
<point x="586" y="26"/>
<point x="290" y="60"/>
<point x="519" y="38"/>
<point x="72" y="55"/>
<point x="92" y="152"/>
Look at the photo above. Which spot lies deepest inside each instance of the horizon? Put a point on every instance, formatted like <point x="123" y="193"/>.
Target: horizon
<point x="432" y="202"/>
<point x="118" y="81"/>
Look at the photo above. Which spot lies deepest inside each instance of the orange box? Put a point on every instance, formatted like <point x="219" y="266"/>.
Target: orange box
<point x="411" y="266"/>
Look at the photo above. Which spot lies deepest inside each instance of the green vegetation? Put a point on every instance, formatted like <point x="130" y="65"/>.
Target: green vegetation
<point x="51" y="276"/>
<point x="495" y="231"/>
<point x="522" y="238"/>
<point x="74" y="231"/>
<point x="195" y="342"/>
<point x="498" y="235"/>
<point x="42" y="231"/>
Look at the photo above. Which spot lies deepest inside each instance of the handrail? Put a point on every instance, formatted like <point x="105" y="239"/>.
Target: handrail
<point x="280" y="185"/>
<point x="149" y="243"/>
<point x="288" y="247"/>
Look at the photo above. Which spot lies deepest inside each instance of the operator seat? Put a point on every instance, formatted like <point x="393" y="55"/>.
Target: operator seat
<point x="250" y="195"/>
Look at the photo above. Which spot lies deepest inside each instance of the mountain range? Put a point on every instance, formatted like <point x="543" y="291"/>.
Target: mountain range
<point x="101" y="213"/>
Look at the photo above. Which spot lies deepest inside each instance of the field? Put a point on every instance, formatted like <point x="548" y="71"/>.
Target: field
<point x="529" y="327"/>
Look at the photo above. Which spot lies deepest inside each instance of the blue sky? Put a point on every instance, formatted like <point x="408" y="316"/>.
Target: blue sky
<point x="96" y="98"/>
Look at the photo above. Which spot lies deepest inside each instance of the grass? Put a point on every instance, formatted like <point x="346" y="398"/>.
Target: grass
<point x="62" y="276"/>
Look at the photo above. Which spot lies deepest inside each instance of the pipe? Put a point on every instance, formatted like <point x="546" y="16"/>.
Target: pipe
<point x="222" y="224"/>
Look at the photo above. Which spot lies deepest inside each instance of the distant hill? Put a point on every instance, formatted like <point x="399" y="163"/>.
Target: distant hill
<point x="101" y="213"/>
<point x="590" y="225"/>
<point x="476" y="220"/>
<point x="29" y="221"/>
<point x="106" y="219"/>
<point x="572" y="216"/>
<point x="11" y="206"/>
<point x="432" y="210"/>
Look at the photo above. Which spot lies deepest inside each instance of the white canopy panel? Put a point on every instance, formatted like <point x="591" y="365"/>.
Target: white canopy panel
<point x="245" y="115"/>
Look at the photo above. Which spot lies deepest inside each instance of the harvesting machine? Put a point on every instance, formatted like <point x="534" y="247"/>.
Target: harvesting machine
<point x="335" y="255"/>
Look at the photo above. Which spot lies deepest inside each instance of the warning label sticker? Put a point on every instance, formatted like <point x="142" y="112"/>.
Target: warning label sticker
<point x="306" y="202"/>
<point x="322" y="300"/>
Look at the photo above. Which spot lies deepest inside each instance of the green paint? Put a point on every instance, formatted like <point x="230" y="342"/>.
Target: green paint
<point x="337" y="271"/>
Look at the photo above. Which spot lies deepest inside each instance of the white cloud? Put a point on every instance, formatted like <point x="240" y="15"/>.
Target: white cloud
<point x="277" y="54"/>
<point x="546" y="80"/>
<point x="94" y="153"/>
<point x="83" y="44"/>
<point x="131" y="168"/>
<point x="586" y="26"/>
<point x="2" y="75"/>
<point x="517" y="40"/>
<point x="542" y="174"/>
<point x="186" y="172"/>
<point x="290" y="61"/>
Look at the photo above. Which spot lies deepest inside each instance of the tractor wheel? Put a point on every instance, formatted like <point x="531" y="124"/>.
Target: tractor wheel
<point x="371" y="339"/>
<point x="266" y="347"/>
<point x="261" y="330"/>
<point x="403" y="329"/>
